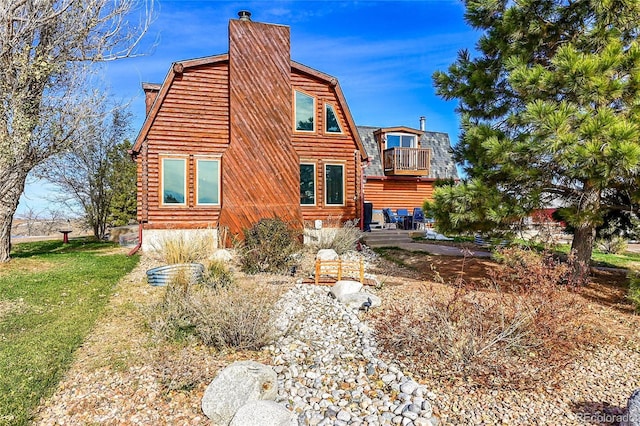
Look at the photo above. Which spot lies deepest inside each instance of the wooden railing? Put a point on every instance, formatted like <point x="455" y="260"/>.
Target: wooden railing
<point x="407" y="161"/>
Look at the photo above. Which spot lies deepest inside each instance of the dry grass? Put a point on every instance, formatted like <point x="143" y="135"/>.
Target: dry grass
<point x="223" y="317"/>
<point x="494" y="336"/>
<point x="182" y="248"/>
<point x="337" y="235"/>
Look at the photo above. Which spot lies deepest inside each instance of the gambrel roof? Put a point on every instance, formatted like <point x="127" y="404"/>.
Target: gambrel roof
<point x="178" y="68"/>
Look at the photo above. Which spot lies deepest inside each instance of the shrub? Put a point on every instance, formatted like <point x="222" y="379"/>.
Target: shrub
<point x="495" y="336"/>
<point x="216" y="274"/>
<point x="179" y="247"/>
<point x="268" y="247"/>
<point x="521" y="269"/>
<point x="341" y="238"/>
<point x="634" y="290"/>
<point x="222" y="317"/>
<point x="614" y="245"/>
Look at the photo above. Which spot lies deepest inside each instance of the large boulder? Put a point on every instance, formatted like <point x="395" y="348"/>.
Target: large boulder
<point x="342" y="287"/>
<point x="236" y="385"/>
<point x="632" y="414"/>
<point x="361" y="300"/>
<point x="263" y="413"/>
<point x="327" y="254"/>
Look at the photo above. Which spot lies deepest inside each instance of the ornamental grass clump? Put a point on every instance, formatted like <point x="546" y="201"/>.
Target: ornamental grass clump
<point x="180" y="247"/>
<point x="219" y="314"/>
<point x="269" y="246"/>
<point x="341" y="237"/>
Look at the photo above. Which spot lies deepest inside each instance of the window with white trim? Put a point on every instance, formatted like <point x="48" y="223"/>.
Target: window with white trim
<point x="207" y="181"/>
<point x="334" y="184"/>
<point x="307" y="184"/>
<point x="174" y="181"/>
<point x="331" y="121"/>
<point x="305" y="107"/>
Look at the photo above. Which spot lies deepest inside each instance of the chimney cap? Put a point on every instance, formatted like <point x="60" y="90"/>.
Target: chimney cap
<point x="244" y="15"/>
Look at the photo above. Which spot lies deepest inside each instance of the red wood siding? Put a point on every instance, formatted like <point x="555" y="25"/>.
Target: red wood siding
<point x="395" y="194"/>
<point x="193" y="121"/>
<point x="260" y="171"/>
<point x="322" y="148"/>
<point x="239" y="108"/>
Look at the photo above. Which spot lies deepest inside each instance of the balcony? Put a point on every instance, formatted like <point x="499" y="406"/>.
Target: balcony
<point x="407" y="161"/>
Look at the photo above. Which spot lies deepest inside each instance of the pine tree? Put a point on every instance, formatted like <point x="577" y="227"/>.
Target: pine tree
<point x="551" y="106"/>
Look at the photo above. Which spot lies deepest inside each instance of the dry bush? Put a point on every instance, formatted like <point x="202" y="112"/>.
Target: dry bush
<point x="180" y="247"/>
<point x="269" y="246"/>
<point x="496" y="336"/>
<point x="341" y="237"/>
<point x="524" y="270"/>
<point x="216" y="274"/>
<point x="232" y="316"/>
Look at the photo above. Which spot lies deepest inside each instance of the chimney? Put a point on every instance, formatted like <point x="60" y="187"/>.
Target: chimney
<point x="244" y="15"/>
<point x="423" y="120"/>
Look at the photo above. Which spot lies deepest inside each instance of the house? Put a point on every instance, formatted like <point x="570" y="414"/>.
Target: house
<point x="403" y="165"/>
<point x="249" y="134"/>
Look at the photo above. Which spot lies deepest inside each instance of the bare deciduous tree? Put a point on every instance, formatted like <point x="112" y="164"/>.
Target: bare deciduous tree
<point x="84" y="175"/>
<point x="47" y="49"/>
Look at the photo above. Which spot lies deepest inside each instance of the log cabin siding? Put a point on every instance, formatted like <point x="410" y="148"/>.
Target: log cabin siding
<point x="396" y="193"/>
<point x="238" y="107"/>
<point x="193" y="121"/>
<point x="322" y="148"/>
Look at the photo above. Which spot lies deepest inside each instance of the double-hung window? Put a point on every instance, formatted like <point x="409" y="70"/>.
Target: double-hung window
<point x="208" y="181"/>
<point x="334" y="184"/>
<point x="173" y="190"/>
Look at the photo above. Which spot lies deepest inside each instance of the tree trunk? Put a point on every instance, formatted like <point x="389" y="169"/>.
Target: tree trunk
<point x="582" y="248"/>
<point x="588" y="215"/>
<point x="10" y="190"/>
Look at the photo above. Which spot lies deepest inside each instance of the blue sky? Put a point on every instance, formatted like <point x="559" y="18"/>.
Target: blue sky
<point x="382" y="52"/>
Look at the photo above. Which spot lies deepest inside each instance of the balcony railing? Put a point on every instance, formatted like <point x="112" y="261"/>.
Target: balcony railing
<point x="407" y="161"/>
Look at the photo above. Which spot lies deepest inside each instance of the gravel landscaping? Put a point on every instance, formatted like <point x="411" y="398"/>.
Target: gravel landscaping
<point x="330" y="371"/>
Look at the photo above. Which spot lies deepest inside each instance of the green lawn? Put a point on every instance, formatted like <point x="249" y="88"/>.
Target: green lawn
<point x="50" y="296"/>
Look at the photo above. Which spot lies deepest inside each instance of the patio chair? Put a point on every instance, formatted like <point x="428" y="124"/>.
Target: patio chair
<point x="419" y="220"/>
<point x="390" y="218"/>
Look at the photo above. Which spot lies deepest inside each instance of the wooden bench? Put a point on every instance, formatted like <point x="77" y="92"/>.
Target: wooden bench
<point x="340" y="268"/>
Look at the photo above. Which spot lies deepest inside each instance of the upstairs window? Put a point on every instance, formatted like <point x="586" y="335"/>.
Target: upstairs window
<point x="208" y="182"/>
<point x="332" y="124"/>
<point x="400" y="140"/>
<point x="308" y="184"/>
<point x="174" y="181"/>
<point x="305" y="107"/>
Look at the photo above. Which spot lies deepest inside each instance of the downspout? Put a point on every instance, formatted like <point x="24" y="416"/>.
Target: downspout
<point x="134" y="250"/>
<point x="137" y="247"/>
<point x="362" y="177"/>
